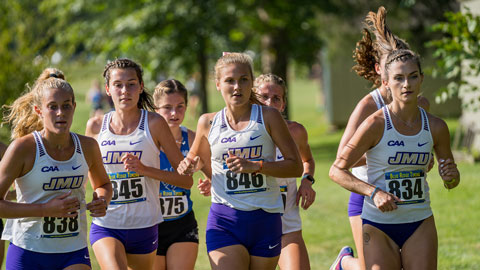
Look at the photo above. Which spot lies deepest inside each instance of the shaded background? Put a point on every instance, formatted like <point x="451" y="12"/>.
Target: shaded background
<point x="305" y="38"/>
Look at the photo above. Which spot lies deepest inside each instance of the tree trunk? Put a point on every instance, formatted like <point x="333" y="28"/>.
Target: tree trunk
<point x="203" y="64"/>
<point x="275" y="57"/>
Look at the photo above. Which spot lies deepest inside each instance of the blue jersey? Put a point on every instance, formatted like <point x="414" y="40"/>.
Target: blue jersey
<point x="175" y="201"/>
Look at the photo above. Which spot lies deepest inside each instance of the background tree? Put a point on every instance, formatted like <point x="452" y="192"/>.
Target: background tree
<point x="458" y="55"/>
<point x="183" y="37"/>
<point x="24" y="38"/>
<point x="166" y="37"/>
<point x="284" y="32"/>
<point x="22" y="43"/>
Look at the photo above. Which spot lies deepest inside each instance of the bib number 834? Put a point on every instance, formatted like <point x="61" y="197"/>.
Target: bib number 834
<point x="406" y="189"/>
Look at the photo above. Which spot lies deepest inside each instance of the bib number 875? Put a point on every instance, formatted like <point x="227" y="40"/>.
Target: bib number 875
<point x="172" y="206"/>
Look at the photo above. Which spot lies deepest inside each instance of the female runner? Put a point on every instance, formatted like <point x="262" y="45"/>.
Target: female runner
<point x="271" y="91"/>
<point x="398" y="224"/>
<point x="47" y="226"/>
<point x="244" y="225"/>
<point x="130" y="140"/>
<point x="370" y="59"/>
<point x="178" y="234"/>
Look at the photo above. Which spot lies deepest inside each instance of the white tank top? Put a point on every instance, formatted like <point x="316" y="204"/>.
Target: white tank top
<point x="361" y="171"/>
<point x="397" y="164"/>
<point x="134" y="203"/>
<point x="50" y="178"/>
<point x="288" y="186"/>
<point x="283" y="181"/>
<point x="243" y="191"/>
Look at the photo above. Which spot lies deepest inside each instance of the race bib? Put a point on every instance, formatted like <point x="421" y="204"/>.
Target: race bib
<point x="174" y="206"/>
<point x="409" y="186"/>
<point x="128" y="187"/>
<point x="283" y="192"/>
<point x="240" y="183"/>
<point x="60" y="227"/>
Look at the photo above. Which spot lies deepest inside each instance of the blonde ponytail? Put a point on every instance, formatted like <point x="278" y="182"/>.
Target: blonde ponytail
<point x="21" y="115"/>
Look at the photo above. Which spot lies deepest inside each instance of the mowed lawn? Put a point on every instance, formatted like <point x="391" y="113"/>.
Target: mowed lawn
<point x="325" y="225"/>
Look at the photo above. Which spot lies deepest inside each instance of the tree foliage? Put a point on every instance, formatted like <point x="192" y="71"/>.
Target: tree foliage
<point x="457" y="53"/>
<point x="166" y="37"/>
<point x="181" y="37"/>
<point x="23" y="37"/>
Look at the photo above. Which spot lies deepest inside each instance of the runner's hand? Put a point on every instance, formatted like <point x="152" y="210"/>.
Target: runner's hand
<point x="305" y="194"/>
<point x="61" y="206"/>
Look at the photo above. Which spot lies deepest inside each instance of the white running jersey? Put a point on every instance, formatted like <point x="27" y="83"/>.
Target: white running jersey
<point x="291" y="221"/>
<point x="397" y="164"/>
<point x="134" y="203"/>
<point x="243" y="191"/>
<point x="50" y="178"/>
<point x="377" y="97"/>
<point x="361" y="171"/>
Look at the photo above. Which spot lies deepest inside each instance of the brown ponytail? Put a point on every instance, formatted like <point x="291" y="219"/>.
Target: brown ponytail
<point x="368" y="53"/>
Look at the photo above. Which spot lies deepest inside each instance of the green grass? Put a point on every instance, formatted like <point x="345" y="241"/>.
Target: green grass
<point x="325" y="225"/>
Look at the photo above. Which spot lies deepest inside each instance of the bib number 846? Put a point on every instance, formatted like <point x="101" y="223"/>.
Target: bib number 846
<point x="243" y="181"/>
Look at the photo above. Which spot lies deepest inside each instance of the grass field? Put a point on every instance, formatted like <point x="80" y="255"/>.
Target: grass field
<point x="325" y="224"/>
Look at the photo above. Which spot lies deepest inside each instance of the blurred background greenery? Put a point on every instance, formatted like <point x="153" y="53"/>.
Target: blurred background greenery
<point x="183" y="38"/>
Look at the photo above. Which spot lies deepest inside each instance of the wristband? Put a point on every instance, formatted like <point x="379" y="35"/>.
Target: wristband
<point x="374" y="192"/>
<point x="309" y="178"/>
<point x="450" y="182"/>
<point x="446" y="183"/>
<point x="261" y="166"/>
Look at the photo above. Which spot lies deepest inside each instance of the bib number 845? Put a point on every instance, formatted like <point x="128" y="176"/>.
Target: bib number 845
<point x="127" y="188"/>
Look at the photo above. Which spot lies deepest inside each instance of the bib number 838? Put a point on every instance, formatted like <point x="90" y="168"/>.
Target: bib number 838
<point x="53" y="225"/>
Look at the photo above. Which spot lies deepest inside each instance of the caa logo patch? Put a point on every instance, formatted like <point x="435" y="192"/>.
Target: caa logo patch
<point x="50" y="169"/>
<point x="104" y="143"/>
<point x="395" y="143"/>
<point x="228" y="140"/>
